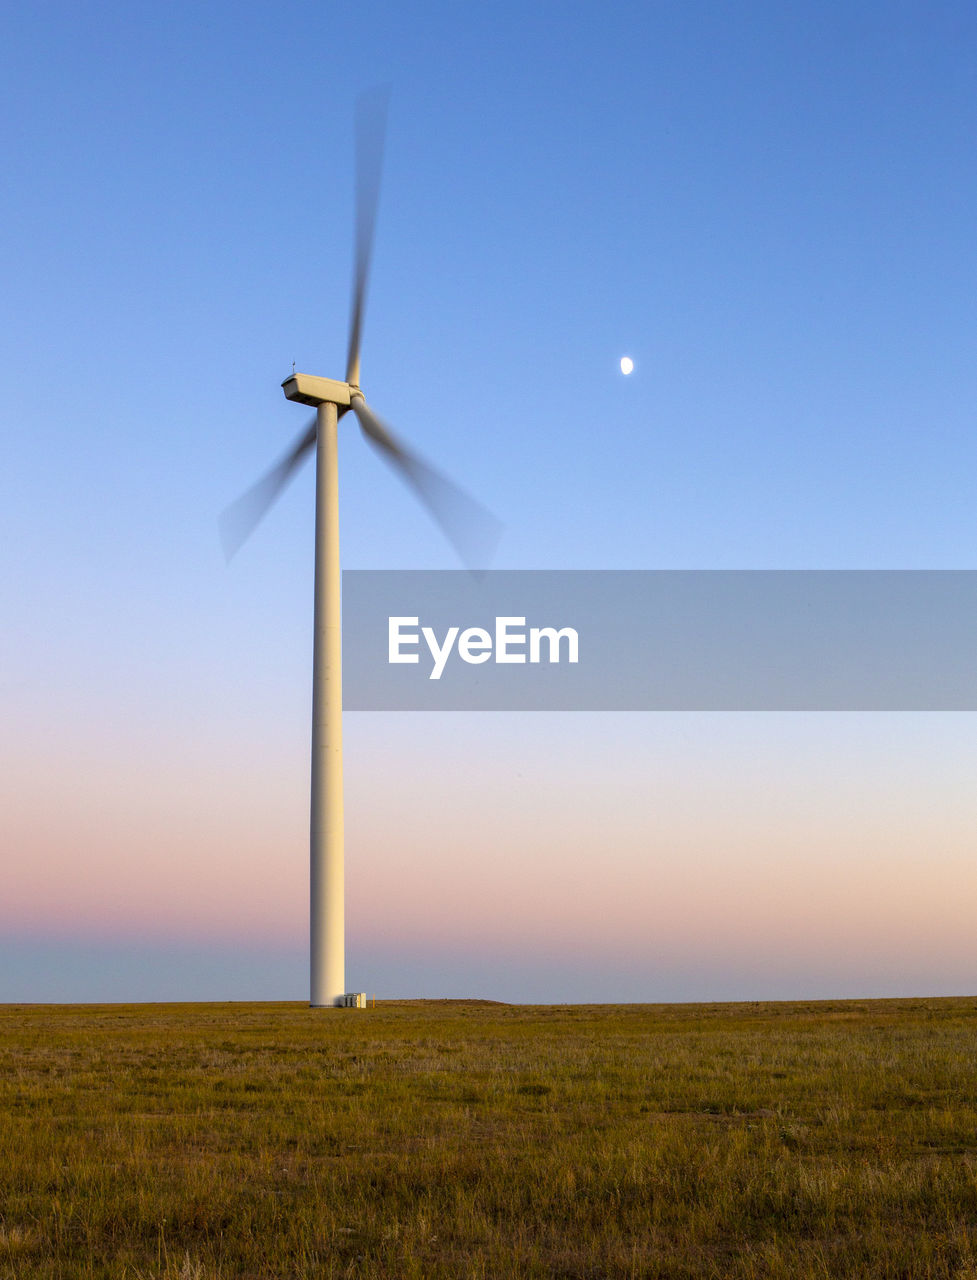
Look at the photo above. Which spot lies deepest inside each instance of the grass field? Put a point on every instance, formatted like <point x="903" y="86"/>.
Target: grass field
<point x="463" y="1139"/>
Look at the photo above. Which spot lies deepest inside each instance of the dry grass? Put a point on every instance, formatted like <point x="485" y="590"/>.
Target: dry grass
<point x="465" y="1140"/>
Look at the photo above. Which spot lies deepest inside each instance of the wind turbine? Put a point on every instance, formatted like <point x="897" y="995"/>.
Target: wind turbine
<point x="468" y="525"/>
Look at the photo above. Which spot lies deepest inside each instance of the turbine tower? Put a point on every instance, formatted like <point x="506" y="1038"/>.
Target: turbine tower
<point x="468" y="525"/>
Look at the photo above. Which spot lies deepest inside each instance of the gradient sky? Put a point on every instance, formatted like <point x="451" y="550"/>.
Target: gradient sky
<point x="769" y="207"/>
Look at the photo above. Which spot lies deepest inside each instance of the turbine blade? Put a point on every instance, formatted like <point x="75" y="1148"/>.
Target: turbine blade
<point x="371" y="127"/>
<point x="238" y="521"/>
<point x="471" y="528"/>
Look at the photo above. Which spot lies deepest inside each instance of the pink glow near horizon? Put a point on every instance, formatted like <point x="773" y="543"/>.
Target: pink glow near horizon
<point x="708" y="843"/>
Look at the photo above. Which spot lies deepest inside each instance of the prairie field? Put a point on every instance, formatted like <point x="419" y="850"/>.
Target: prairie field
<point x="470" y="1139"/>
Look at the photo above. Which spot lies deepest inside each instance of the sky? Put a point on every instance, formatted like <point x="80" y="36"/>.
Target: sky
<point x="769" y="208"/>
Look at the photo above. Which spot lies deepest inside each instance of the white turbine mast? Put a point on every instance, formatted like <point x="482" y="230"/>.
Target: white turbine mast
<point x="469" y="526"/>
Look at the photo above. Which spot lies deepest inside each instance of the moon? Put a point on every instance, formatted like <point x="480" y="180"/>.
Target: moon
<point x="627" y="364"/>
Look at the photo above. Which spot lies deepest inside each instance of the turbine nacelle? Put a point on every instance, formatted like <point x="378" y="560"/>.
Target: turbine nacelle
<point x="305" y="388"/>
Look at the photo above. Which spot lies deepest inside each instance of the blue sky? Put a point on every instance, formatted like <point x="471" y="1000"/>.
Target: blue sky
<point x="769" y="207"/>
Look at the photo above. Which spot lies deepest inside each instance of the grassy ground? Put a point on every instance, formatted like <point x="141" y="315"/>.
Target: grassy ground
<point x="479" y="1140"/>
